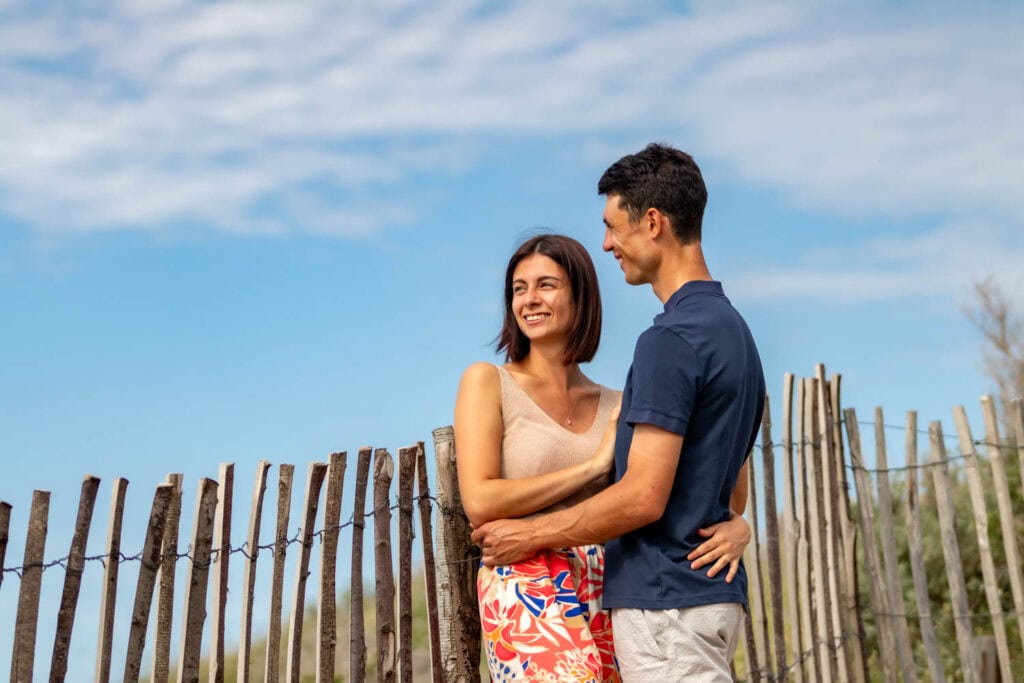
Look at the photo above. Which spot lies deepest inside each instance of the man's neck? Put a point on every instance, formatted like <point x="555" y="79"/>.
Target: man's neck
<point x="679" y="266"/>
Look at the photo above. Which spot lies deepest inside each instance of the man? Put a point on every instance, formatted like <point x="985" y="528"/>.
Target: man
<point x="691" y="407"/>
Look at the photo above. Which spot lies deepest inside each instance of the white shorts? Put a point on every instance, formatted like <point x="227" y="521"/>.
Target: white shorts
<point x="688" y="644"/>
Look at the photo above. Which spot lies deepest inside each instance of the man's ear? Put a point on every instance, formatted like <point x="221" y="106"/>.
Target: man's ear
<point x="656" y="223"/>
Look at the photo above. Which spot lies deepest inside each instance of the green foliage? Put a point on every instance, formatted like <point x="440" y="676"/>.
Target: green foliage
<point x="935" y="562"/>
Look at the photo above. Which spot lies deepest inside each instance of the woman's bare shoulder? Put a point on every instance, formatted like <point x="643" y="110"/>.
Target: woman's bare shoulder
<point x="480" y="372"/>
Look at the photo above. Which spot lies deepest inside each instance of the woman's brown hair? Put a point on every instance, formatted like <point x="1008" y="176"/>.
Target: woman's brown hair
<point x="585" y="326"/>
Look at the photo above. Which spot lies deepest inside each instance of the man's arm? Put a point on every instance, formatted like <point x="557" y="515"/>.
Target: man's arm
<point x="636" y="500"/>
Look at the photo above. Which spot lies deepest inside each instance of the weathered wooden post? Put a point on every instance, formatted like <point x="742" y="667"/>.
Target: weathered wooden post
<point x="252" y="545"/>
<point x="759" y="665"/>
<point x="988" y="567"/>
<point x="314" y="482"/>
<point x="73" y="579"/>
<point x="165" y="592"/>
<point x="152" y="552"/>
<point x="890" y="575"/>
<point x="222" y="548"/>
<point x="285" y="477"/>
<point x="197" y="583"/>
<point x="849" y="585"/>
<point x="951" y="552"/>
<point x="429" y="565"/>
<point x="808" y="654"/>
<point x="1001" y="485"/>
<point x="108" y="599"/>
<point x="816" y="518"/>
<point x="406" y="480"/>
<point x="866" y="505"/>
<point x="458" y="561"/>
<point x="5" y="524"/>
<point x="357" y="625"/>
<point x="26" y="621"/>
<point x="772" y="530"/>
<point x="915" y="549"/>
<point x="327" y="610"/>
<point x="791" y="531"/>
<point x="383" y="472"/>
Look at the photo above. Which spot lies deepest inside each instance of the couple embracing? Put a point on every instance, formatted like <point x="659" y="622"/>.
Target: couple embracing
<point x="610" y="523"/>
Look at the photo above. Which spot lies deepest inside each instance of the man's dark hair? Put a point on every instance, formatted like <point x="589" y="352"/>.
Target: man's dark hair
<point x="585" y="325"/>
<point x="662" y="178"/>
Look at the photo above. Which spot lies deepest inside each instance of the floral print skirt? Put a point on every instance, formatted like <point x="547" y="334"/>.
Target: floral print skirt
<point x="542" y="618"/>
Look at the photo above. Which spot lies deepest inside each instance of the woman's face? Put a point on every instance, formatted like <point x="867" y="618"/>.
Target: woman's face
<point x="541" y="298"/>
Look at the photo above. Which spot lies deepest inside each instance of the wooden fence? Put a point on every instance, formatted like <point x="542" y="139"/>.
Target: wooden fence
<point x="828" y="572"/>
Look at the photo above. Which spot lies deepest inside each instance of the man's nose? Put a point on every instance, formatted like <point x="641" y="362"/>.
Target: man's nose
<point x="607" y="244"/>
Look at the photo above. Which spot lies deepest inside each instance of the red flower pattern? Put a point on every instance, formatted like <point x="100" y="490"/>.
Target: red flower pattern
<point x="542" y="618"/>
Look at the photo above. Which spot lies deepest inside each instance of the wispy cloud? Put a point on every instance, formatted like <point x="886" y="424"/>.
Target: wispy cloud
<point x="137" y="115"/>
<point x="938" y="265"/>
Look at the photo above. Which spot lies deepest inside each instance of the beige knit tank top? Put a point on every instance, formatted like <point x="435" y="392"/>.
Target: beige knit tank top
<point x="532" y="443"/>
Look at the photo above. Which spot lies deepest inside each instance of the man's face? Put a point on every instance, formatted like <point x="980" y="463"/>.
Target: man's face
<point x="624" y="239"/>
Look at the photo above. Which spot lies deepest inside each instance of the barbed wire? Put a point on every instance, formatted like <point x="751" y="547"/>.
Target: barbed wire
<point x="973" y="616"/>
<point x="834" y="645"/>
<point x="242" y="549"/>
<point x="819" y="440"/>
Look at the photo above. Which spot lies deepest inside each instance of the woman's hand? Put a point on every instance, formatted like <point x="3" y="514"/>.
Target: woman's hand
<point x="724" y="546"/>
<point x="603" y="459"/>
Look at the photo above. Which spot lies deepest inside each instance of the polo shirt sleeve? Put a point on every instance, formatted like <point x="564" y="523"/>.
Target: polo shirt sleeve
<point x="665" y="377"/>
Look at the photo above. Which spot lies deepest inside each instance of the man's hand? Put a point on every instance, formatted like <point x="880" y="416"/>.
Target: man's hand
<point x="725" y="545"/>
<point x="504" y="541"/>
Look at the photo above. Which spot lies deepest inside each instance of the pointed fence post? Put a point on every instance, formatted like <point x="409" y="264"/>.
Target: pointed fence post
<point x="951" y="552"/>
<point x="866" y="508"/>
<point x="222" y="548"/>
<point x="152" y="552"/>
<point x="327" y="605"/>
<point x="5" y="524"/>
<point x="197" y="583"/>
<point x="772" y="530"/>
<point x="314" y="482"/>
<point x="915" y="548"/>
<point x="458" y="560"/>
<point x="760" y="664"/>
<point x="111" y="565"/>
<point x="809" y="651"/>
<point x="791" y="531"/>
<point x="816" y="520"/>
<point x="406" y="482"/>
<point x="988" y="567"/>
<point x="429" y="565"/>
<point x="357" y="625"/>
<point x="73" y="579"/>
<point x="285" y="476"/>
<point x="252" y="545"/>
<point x="1001" y="486"/>
<point x="891" y="576"/>
<point x="165" y="592"/>
<point x="849" y="584"/>
<point x="383" y="472"/>
<point x="26" y="621"/>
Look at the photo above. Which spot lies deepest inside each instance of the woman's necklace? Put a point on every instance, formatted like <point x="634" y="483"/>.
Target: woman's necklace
<point x="568" y="418"/>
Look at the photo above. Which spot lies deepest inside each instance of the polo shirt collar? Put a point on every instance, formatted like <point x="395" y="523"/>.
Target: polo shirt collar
<point x="693" y="287"/>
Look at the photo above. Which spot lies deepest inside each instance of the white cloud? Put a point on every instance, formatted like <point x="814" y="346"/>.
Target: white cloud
<point x="940" y="265"/>
<point x="138" y="115"/>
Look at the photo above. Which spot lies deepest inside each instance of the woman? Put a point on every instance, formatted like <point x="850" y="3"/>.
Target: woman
<point x="533" y="435"/>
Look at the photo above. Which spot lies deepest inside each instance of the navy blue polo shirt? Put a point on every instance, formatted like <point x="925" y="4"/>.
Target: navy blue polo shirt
<point x="696" y="372"/>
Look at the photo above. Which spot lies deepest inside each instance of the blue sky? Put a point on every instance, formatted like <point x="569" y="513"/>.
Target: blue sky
<point x="239" y="231"/>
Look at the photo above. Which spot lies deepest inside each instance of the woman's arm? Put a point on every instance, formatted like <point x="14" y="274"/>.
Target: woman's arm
<point x="478" y="433"/>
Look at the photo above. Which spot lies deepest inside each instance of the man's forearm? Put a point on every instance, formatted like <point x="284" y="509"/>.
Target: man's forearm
<point x="609" y="514"/>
